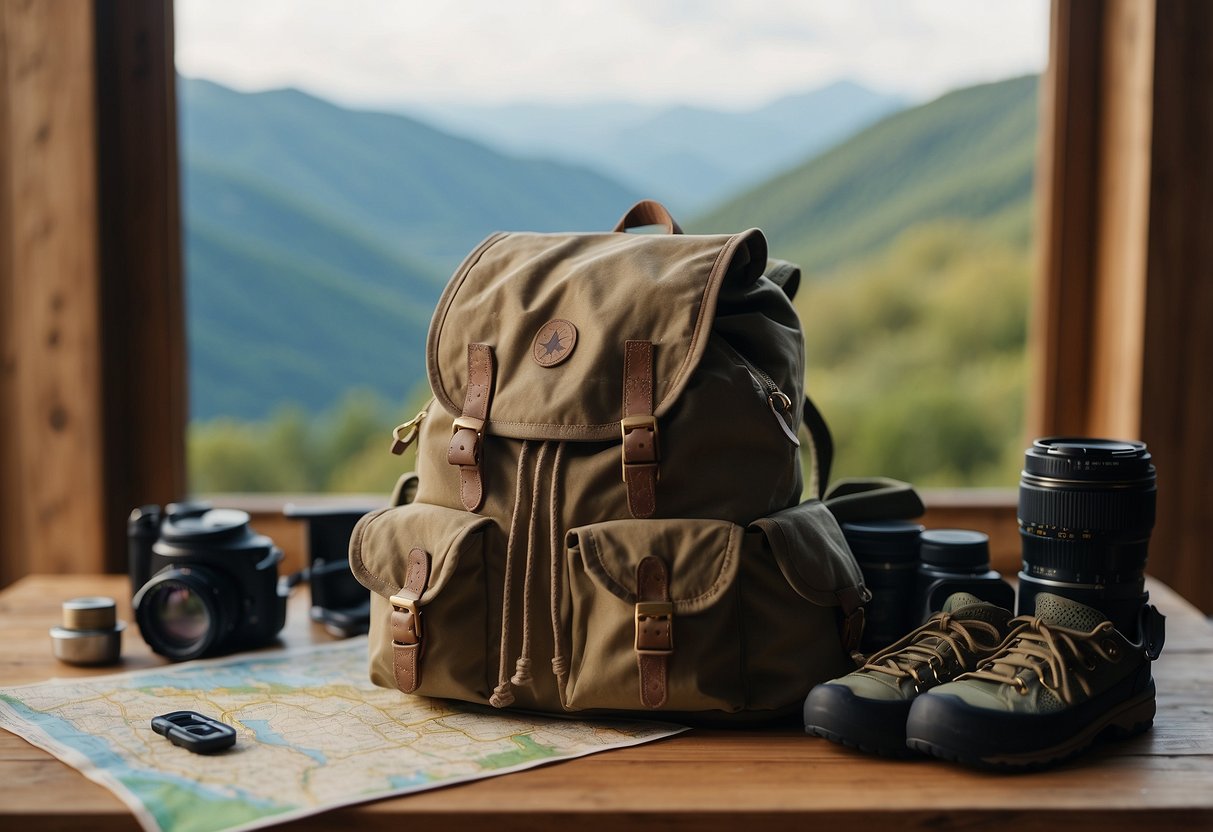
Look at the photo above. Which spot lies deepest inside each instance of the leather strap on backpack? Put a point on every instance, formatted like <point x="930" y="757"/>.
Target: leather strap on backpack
<point x="641" y="453"/>
<point x="654" y="630"/>
<point x="407" y="645"/>
<point x="468" y="436"/>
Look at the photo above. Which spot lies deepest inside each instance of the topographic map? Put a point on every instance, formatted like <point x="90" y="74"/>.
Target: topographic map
<point x="313" y="734"/>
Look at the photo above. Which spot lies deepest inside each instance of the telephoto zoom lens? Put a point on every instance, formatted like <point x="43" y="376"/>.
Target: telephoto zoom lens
<point x="1086" y="510"/>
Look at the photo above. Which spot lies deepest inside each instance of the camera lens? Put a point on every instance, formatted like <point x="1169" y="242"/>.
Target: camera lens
<point x="1086" y="510"/>
<point x="887" y="553"/>
<point x="182" y="613"/>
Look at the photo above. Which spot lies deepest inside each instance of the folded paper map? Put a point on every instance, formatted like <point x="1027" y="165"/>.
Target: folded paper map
<point x="313" y="734"/>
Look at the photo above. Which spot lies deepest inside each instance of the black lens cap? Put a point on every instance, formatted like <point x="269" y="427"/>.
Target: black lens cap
<point x="1088" y="459"/>
<point x="955" y="548"/>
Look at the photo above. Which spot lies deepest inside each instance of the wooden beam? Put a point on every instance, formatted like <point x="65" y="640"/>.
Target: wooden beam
<point x="1066" y="195"/>
<point x="50" y="384"/>
<point x="1093" y="211"/>
<point x="1123" y="323"/>
<point x="1176" y="403"/>
<point x="142" y="300"/>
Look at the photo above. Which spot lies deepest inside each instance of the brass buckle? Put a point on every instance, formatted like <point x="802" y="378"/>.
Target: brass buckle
<point x="476" y="426"/>
<point x="405" y="434"/>
<point x="656" y="611"/>
<point x="408" y="605"/>
<point x="644" y="422"/>
<point x="468" y="423"/>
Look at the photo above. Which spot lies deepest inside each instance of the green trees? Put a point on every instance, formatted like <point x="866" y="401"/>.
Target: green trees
<point x="916" y="357"/>
<point x="343" y="450"/>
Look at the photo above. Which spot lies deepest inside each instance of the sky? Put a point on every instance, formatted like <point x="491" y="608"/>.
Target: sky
<point x="727" y="54"/>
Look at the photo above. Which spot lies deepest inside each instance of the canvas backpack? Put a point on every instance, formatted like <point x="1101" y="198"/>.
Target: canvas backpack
<point x="607" y="511"/>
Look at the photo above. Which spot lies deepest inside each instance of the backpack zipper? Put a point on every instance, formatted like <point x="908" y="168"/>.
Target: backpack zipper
<point x="780" y="404"/>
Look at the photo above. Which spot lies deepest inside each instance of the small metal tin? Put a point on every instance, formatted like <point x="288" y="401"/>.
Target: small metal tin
<point x="91" y="633"/>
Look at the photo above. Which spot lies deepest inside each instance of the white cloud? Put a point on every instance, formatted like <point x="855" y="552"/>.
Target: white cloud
<point x="715" y="52"/>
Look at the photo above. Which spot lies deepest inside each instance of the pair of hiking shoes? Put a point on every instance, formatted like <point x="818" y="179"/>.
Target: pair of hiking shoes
<point x="977" y="686"/>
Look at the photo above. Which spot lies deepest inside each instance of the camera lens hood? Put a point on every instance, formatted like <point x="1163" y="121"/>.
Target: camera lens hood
<point x="209" y="527"/>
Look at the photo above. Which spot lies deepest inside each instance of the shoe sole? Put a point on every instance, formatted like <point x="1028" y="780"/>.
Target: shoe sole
<point x="834" y="713"/>
<point x="1129" y="719"/>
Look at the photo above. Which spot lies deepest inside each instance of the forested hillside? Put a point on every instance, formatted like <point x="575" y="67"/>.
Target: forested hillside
<point x="914" y="235"/>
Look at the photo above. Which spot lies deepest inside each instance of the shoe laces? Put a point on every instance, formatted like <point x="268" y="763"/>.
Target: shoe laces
<point x="1054" y="653"/>
<point x="907" y="656"/>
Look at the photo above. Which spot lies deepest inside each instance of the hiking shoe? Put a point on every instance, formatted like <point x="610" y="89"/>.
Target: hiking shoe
<point x="1064" y="677"/>
<point x="867" y="709"/>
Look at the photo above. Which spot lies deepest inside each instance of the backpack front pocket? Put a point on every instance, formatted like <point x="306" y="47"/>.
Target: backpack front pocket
<point x="430" y="618"/>
<point x="652" y="610"/>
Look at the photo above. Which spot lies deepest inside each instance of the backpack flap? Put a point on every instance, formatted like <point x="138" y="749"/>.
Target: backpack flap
<point x="817" y="563"/>
<point x="556" y="310"/>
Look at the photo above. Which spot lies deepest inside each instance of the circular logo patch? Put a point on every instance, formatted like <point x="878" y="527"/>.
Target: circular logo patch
<point x="554" y="342"/>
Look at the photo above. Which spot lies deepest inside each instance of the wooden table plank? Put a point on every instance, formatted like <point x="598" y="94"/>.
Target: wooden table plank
<point x="701" y="780"/>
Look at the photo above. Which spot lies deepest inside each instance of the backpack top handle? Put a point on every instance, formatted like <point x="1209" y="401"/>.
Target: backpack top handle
<point x="648" y="212"/>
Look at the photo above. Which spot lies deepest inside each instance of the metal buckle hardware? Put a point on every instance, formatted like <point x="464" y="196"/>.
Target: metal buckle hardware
<point x="468" y="423"/>
<point x="476" y="426"/>
<point x="630" y="423"/>
<point x="654" y="611"/>
<point x="408" y="605"/>
<point x="405" y="434"/>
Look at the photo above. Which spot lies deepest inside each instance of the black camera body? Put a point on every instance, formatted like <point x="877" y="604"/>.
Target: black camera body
<point x="339" y="602"/>
<point x="203" y="582"/>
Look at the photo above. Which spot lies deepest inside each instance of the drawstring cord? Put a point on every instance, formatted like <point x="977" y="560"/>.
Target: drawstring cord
<point x="522" y="669"/>
<point x="559" y="663"/>
<point x="503" y="696"/>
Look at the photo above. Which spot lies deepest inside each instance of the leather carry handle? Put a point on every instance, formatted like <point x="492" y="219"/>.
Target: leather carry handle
<point x="648" y="212"/>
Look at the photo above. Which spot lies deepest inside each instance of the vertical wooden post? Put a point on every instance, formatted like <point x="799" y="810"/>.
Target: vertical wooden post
<point x="1177" y="355"/>
<point x="51" y="484"/>
<point x="1123" y="325"/>
<point x="92" y="333"/>
<point x="142" y="298"/>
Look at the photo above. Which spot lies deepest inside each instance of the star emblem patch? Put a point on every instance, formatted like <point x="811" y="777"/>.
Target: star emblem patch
<point x="554" y="343"/>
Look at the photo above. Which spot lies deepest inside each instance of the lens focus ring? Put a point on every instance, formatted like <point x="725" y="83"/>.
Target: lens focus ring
<point x="1066" y="513"/>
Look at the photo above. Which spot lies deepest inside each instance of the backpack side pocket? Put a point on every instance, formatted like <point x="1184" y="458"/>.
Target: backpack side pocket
<point x="444" y="632"/>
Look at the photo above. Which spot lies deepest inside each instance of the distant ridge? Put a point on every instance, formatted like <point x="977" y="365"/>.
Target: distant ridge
<point x="969" y="154"/>
<point x="318" y="238"/>
<point x="689" y="157"/>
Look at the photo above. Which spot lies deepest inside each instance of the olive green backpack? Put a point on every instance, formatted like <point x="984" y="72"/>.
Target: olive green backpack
<point x="606" y="514"/>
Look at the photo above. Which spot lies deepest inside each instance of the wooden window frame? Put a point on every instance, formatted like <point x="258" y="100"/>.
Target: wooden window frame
<point x="1122" y="318"/>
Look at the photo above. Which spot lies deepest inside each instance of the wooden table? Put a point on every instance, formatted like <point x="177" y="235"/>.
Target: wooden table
<point x="747" y="780"/>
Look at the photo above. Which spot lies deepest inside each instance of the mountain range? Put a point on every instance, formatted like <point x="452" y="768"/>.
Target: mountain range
<point x="687" y="157"/>
<point x="317" y="238"/>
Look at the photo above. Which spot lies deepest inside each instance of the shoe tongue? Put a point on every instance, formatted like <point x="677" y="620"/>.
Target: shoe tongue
<point x="967" y="607"/>
<point x="1064" y="612"/>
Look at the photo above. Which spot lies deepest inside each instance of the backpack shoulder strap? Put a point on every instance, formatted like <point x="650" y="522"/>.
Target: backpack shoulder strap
<point x="823" y="447"/>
